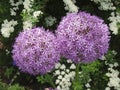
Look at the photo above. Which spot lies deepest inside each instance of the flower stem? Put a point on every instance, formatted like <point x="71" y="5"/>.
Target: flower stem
<point x="77" y="72"/>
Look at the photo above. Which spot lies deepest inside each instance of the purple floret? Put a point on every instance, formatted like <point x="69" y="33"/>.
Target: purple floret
<point x="35" y="51"/>
<point x="83" y="37"/>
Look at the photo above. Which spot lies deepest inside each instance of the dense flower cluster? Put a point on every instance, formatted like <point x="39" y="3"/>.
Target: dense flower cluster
<point x="27" y="5"/>
<point x="31" y="15"/>
<point x="37" y="13"/>
<point x="115" y="20"/>
<point x="82" y="37"/>
<point x="65" y="75"/>
<point x="15" y="6"/>
<point x="7" y="27"/>
<point x="105" y="4"/>
<point x="87" y="85"/>
<point x="70" y="6"/>
<point x="113" y="74"/>
<point x="34" y="51"/>
<point x="50" y="21"/>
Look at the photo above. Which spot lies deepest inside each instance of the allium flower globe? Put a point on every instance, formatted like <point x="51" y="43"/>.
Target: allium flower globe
<point x="83" y="37"/>
<point x="34" y="51"/>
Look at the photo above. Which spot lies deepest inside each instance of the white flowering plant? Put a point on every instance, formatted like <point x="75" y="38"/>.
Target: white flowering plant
<point x="20" y="16"/>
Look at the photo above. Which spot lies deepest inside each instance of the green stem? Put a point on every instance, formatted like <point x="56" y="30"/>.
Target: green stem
<point x="77" y="72"/>
<point x="51" y="81"/>
<point x="14" y="77"/>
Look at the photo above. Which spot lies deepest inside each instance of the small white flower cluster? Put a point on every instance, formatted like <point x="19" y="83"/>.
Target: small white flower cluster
<point x="105" y="4"/>
<point x="87" y="85"/>
<point x="8" y="27"/>
<point x="113" y="74"/>
<point x="15" y="6"/>
<point x="70" y="6"/>
<point x="64" y="75"/>
<point x="50" y="20"/>
<point x="28" y="4"/>
<point x="115" y="19"/>
<point x="114" y="80"/>
<point x="37" y="13"/>
<point x="27" y="24"/>
<point x="7" y="51"/>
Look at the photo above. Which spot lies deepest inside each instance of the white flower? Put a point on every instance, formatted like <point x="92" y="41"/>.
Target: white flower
<point x="87" y="85"/>
<point x="66" y="75"/>
<point x="63" y="79"/>
<point x="59" y="77"/>
<point x="115" y="19"/>
<point x="90" y="80"/>
<point x="50" y="20"/>
<point x="72" y="66"/>
<point x="105" y="4"/>
<point x="88" y="88"/>
<point x="12" y="12"/>
<point x="114" y="80"/>
<point x="108" y="74"/>
<point x="116" y="64"/>
<point x="107" y="88"/>
<point x="113" y="27"/>
<point x="15" y="6"/>
<point x="57" y="81"/>
<point x="69" y="83"/>
<point x="103" y="57"/>
<point x="8" y="27"/>
<point x="67" y="70"/>
<point x="62" y="67"/>
<point x="27" y="5"/>
<point x="111" y="65"/>
<point x="61" y="84"/>
<point x="72" y="73"/>
<point x="58" y="88"/>
<point x="57" y="72"/>
<point x="69" y="61"/>
<point x="70" y="6"/>
<point x="74" y="1"/>
<point x="62" y="73"/>
<point x="57" y="65"/>
<point x="27" y="25"/>
<point x="37" y="13"/>
<point x="7" y="51"/>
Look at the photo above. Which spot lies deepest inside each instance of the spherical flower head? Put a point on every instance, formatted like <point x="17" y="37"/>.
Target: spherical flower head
<point x="83" y="37"/>
<point x="35" y="51"/>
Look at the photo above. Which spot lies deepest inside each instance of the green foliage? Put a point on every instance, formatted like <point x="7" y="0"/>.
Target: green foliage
<point x="15" y="87"/>
<point x="47" y="78"/>
<point x="4" y="10"/>
<point x="28" y="17"/>
<point x="9" y="72"/>
<point x="77" y="86"/>
<point x="39" y="5"/>
<point x="77" y="83"/>
<point x="3" y="86"/>
<point x="110" y="56"/>
<point x="84" y="76"/>
<point x="88" y="69"/>
<point x="91" y="67"/>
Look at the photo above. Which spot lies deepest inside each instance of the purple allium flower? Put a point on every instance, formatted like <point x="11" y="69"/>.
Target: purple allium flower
<point x="35" y="51"/>
<point x="83" y="37"/>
